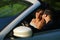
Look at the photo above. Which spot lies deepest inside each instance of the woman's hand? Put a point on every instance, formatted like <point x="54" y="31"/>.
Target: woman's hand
<point x="40" y="24"/>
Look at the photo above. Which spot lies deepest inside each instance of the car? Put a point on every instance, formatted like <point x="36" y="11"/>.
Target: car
<point x="18" y="13"/>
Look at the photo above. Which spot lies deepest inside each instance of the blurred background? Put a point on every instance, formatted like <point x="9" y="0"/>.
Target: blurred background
<point x="54" y="3"/>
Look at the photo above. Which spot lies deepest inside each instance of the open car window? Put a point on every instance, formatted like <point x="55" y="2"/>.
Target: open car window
<point x="9" y="10"/>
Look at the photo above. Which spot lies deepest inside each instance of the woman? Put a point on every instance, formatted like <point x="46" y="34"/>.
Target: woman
<point x="38" y="22"/>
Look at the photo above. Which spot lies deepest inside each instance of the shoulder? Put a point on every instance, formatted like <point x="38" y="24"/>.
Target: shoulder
<point x="33" y="20"/>
<point x="49" y="26"/>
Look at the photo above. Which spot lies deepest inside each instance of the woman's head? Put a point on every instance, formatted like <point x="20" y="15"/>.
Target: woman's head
<point x="48" y="15"/>
<point x="39" y="13"/>
<point x="47" y="12"/>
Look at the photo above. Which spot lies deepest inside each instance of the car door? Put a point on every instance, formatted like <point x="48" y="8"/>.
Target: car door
<point x="30" y="5"/>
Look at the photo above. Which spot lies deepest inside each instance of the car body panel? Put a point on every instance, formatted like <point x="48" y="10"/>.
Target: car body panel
<point x="47" y="35"/>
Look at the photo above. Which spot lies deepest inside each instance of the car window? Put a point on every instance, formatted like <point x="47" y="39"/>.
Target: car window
<point x="9" y="10"/>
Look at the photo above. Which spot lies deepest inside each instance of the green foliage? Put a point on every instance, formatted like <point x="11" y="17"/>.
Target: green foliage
<point x="11" y="10"/>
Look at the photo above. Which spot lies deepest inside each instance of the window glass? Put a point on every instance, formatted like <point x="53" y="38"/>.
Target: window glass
<point x="9" y="10"/>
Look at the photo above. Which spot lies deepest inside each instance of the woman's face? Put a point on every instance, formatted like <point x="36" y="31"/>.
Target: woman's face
<point x="43" y="16"/>
<point x="39" y="14"/>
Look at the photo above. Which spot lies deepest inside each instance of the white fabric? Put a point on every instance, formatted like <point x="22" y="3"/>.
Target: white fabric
<point x="33" y="25"/>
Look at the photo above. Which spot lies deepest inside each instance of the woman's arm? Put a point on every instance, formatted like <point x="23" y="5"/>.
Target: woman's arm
<point x="40" y="24"/>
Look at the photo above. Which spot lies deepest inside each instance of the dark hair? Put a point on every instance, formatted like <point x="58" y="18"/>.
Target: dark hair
<point x="49" y="12"/>
<point x="38" y="10"/>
